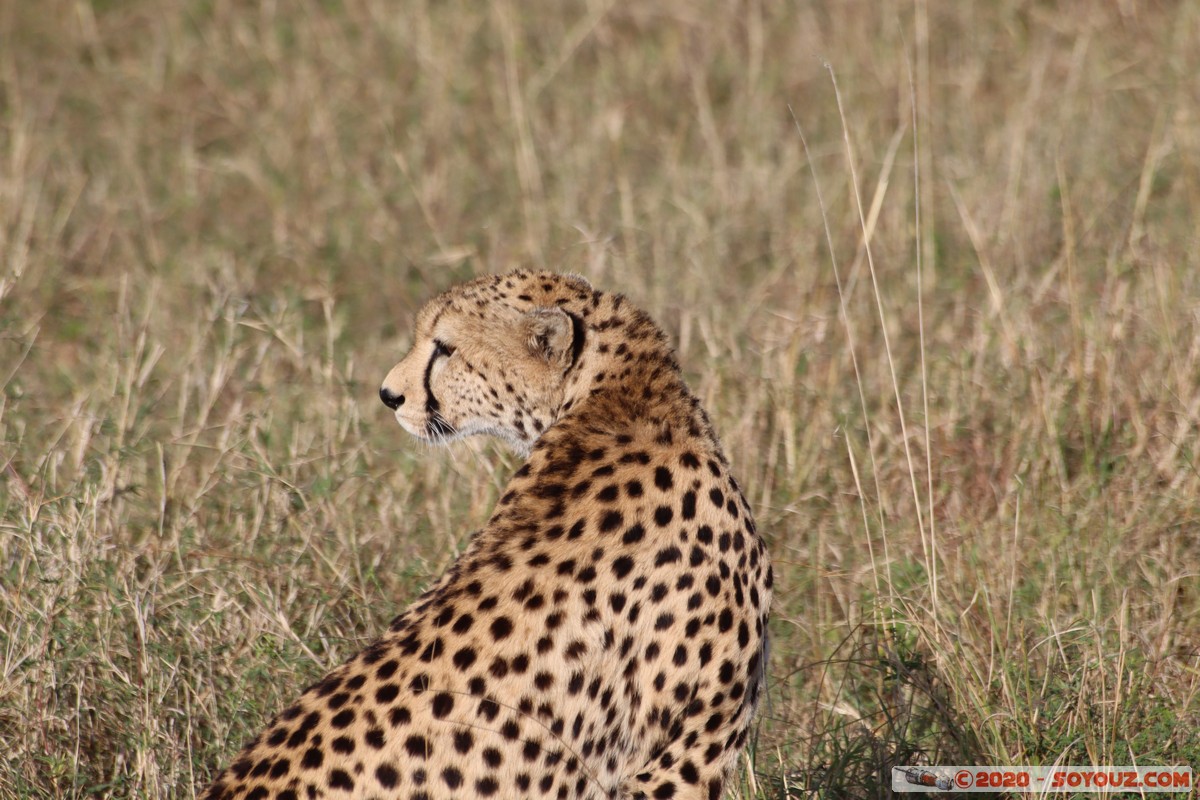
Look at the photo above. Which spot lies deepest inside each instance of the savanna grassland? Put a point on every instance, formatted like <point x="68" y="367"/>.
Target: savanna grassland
<point x="947" y="320"/>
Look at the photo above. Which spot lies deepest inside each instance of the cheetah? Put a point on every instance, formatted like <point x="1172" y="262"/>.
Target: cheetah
<point x="603" y="635"/>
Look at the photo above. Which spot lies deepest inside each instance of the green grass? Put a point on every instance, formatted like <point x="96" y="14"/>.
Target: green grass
<point x="217" y="220"/>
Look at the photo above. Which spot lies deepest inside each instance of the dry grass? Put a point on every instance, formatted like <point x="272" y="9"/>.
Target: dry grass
<point x="217" y="218"/>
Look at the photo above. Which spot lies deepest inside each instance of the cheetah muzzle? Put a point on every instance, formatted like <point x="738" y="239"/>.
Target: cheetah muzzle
<point x="602" y="635"/>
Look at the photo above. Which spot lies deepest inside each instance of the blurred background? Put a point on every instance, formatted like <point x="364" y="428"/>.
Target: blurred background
<point x="932" y="267"/>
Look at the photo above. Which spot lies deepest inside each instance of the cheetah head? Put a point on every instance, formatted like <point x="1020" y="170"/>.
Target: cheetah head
<point x="489" y="357"/>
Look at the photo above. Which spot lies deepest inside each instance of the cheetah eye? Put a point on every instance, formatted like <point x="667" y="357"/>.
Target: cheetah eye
<point x="440" y="348"/>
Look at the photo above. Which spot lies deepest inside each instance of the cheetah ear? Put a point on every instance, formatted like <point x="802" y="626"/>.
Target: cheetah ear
<point x="552" y="335"/>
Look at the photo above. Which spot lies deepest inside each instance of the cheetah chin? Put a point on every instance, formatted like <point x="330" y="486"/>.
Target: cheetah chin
<point x="603" y="634"/>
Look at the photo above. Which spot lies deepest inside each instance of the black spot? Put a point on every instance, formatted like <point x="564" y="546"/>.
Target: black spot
<point x="622" y="566"/>
<point x="342" y="719"/>
<point x="611" y="521"/>
<point x="486" y="787"/>
<point x="387" y="776"/>
<point x="464" y="658"/>
<point x="399" y="716"/>
<point x="386" y="693"/>
<point x="663" y="479"/>
<point x="417" y="746"/>
<point x="340" y="779"/>
<point x="663" y="516"/>
<point x="313" y="758"/>
<point x="668" y="555"/>
<point x="501" y="628"/>
<point x="327" y="686"/>
<point x="523" y="591"/>
<point x="443" y="704"/>
<point x="634" y="534"/>
<point x="375" y="652"/>
<point x="489" y="709"/>
<point x="688" y="508"/>
<point x="549" y="491"/>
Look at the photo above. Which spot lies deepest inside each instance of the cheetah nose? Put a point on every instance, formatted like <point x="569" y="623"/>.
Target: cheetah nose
<point x="392" y="401"/>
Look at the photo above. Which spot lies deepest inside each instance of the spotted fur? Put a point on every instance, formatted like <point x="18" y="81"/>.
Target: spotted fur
<point x="603" y="634"/>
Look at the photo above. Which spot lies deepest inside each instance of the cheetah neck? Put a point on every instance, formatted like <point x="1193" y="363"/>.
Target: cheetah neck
<point x="627" y="378"/>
